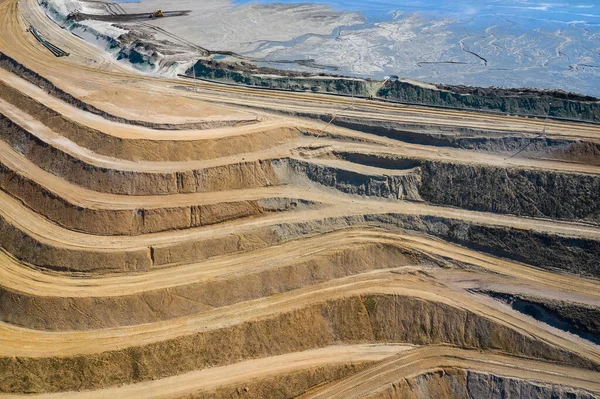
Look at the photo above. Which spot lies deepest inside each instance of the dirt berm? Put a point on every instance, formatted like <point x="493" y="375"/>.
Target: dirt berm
<point x="457" y="383"/>
<point x="144" y="149"/>
<point x="223" y="289"/>
<point x="371" y="318"/>
<point x="19" y="69"/>
<point x="546" y="250"/>
<point x="136" y="221"/>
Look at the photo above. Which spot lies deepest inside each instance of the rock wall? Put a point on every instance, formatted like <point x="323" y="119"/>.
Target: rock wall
<point x="523" y="192"/>
<point x="293" y="81"/>
<point x="401" y="186"/>
<point x="577" y="318"/>
<point x="550" y="251"/>
<point x="523" y="102"/>
<point x="534" y="103"/>
<point x="471" y="384"/>
<point x="507" y="190"/>
<point x="495" y="141"/>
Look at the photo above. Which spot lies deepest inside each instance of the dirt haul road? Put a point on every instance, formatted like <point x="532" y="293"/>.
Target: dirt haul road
<point x="161" y="238"/>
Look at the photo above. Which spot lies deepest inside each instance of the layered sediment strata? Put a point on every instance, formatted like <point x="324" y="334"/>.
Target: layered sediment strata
<point x="273" y="256"/>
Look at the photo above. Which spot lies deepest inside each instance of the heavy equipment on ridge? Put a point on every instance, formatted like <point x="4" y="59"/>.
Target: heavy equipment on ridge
<point x="157" y="14"/>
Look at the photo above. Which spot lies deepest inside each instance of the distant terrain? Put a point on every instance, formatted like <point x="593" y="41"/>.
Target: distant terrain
<point x="547" y="45"/>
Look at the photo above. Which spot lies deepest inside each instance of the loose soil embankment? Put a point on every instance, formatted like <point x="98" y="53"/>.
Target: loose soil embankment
<point x="216" y="289"/>
<point x="33" y="77"/>
<point x="371" y="318"/>
<point x="494" y="141"/>
<point x="147" y="149"/>
<point x="511" y="190"/>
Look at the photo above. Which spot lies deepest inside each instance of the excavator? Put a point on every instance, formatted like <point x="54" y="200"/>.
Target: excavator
<point x="157" y="14"/>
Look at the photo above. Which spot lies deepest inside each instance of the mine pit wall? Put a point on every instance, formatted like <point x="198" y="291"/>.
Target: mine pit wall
<point x="573" y="107"/>
<point x="454" y="383"/>
<point x="109" y="221"/>
<point x="144" y="149"/>
<point x="521" y="192"/>
<point x="534" y="104"/>
<point x="363" y="319"/>
<point x="584" y="151"/>
<point x="116" y="181"/>
<point x="535" y="193"/>
<point x="192" y="298"/>
<point x="545" y="250"/>
<point x="577" y="318"/>
<point x="284" y="386"/>
<point x="18" y="69"/>
<point x="567" y="196"/>
<point x="404" y="186"/>
<point x="291" y="81"/>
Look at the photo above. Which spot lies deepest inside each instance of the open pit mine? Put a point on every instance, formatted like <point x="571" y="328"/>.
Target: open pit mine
<point x="165" y="237"/>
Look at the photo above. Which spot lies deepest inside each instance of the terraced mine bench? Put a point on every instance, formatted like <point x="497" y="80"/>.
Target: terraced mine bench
<point x="220" y="242"/>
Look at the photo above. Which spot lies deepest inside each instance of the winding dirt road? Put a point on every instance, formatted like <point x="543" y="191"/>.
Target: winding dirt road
<point x="161" y="238"/>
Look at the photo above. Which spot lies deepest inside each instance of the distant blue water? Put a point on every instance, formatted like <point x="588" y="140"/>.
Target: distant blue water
<point x="553" y="44"/>
<point x="585" y="11"/>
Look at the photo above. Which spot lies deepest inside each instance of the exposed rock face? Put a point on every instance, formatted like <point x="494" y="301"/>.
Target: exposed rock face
<point x="577" y="318"/>
<point x="526" y="102"/>
<point x="523" y="192"/>
<point x="287" y="80"/>
<point x="523" y="102"/>
<point x="403" y="186"/>
<point x="548" y="251"/>
<point x="499" y="141"/>
<point x="469" y="384"/>
<point x="480" y="385"/>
